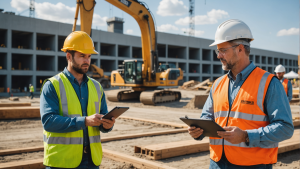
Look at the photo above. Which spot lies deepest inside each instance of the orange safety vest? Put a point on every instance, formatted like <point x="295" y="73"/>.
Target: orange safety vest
<point x="285" y="85"/>
<point x="247" y="112"/>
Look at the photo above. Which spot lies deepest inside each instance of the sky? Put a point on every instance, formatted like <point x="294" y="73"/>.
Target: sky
<point x="274" y="23"/>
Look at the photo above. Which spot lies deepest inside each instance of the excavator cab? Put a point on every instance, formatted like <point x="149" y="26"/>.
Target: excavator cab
<point x="133" y="72"/>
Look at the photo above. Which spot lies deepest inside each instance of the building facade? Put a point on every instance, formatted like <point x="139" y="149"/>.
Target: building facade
<point x="30" y="53"/>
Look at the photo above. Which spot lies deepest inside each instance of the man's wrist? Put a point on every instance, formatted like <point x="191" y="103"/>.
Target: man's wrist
<point x="246" y="137"/>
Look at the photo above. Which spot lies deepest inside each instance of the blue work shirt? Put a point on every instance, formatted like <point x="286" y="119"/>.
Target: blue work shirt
<point x="276" y="107"/>
<point x="49" y="109"/>
<point x="290" y="89"/>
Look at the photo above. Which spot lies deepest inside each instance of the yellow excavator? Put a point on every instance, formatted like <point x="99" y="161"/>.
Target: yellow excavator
<point x="144" y="77"/>
<point x="97" y="73"/>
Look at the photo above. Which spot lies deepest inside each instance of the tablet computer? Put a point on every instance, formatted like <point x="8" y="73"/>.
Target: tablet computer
<point x="115" y="112"/>
<point x="209" y="127"/>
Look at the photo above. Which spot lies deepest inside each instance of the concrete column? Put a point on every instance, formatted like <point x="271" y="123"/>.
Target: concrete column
<point x="56" y="63"/>
<point x="130" y="51"/>
<point x="56" y="43"/>
<point x="34" y="41"/>
<point x="166" y="50"/>
<point x="187" y="52"/>
<point x="116" y="50"/>
<point x="9" y="39"/>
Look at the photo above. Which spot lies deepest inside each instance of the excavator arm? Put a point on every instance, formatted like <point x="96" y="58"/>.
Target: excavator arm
<point x="142" y="15"/>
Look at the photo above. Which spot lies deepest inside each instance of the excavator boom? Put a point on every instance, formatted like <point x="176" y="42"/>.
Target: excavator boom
<point x="143" y="76"/>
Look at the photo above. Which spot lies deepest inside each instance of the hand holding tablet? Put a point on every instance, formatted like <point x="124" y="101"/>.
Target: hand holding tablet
<point x="115" y="112"/>
<point x="209" y="127"/>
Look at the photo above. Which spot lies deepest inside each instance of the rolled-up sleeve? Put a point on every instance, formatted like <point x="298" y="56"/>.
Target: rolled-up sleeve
<point x="280" y="117"/>
<point x="207" y="111"/>
<point x="49" y="110"/>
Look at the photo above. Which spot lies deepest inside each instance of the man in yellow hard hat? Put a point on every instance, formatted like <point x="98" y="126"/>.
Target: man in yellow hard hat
<point x="71" y="107"/>
<point x="248" y="102"/>
<point x="287" y="85"/>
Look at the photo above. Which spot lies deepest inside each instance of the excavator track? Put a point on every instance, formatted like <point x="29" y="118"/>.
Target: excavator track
<point x="159" y="96"/>
<point x="123" y="95"/>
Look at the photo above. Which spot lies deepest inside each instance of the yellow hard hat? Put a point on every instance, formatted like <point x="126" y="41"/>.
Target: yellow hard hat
<point x="79" y="41"/>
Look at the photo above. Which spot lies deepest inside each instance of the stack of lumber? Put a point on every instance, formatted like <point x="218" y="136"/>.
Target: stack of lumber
<point x="189" y="84"/>
<point x="194" y="85"/>
<point x="174" y="149"/>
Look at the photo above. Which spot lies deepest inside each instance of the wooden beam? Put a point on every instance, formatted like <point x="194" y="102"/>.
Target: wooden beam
<point x="19" y="112"/>
<point x="296" y="122"/>
<point x="174" y="149"/>
<point x="28" y="164"/>
<point x="107" y="139"/>
<point x="137" y="162"/>
<point x="130" y="136"/>
<point x="13" y="104"/>
<point x="178" y="125"/>
<point x="21" y="150"/>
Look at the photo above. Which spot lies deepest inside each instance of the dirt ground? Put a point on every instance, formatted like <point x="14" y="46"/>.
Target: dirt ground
<point x="28" y="133"/>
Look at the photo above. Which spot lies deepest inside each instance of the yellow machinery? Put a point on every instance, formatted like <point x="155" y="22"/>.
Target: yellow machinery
<point x="142" y="76"/>
<point x="98" y="74"/>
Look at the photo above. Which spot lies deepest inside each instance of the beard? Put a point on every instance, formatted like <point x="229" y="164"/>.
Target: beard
<point x="228" y="65"/>
<point x="280" y="77"/>
<point x="78" y="68"/>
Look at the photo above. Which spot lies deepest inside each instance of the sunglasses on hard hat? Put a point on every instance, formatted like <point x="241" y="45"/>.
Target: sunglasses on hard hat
<point x="223" y="50"/>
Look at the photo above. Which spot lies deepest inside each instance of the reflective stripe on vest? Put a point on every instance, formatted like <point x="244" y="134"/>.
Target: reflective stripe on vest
<point x="242" y="144"/>
<point x="69" y="146"/>
<point x="246" y="112"/>
<point x="285" y="85"/>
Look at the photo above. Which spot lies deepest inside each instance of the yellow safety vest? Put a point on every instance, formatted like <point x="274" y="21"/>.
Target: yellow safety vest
<point x="64" y="150"/>
<point x="31" y="89"/>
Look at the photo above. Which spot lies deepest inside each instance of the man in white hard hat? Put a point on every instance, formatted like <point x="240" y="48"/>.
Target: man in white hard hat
<point x="248" y="102"/>
<point x="287" y="85"/>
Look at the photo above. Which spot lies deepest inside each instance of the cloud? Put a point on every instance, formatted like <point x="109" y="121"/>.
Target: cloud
<point x="55" y="12"/>
<point x="212" y="17"/>
<point x="197" y="32"/>
<point x="292" y="31"/>
<point x="20" y="5"/>
<point x="129" y="31"/>
<point x="166" y="28"/>
<point x="172" y="8"/>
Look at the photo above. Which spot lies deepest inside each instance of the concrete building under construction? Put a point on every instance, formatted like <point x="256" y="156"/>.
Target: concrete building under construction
<point x="30" y="52"/>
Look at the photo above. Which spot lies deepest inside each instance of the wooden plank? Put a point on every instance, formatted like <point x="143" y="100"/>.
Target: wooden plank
<point x="296" y="122"/>
<point x="174" y="149"/>
<point x="19" y="112"/>
<point x="157" y="122"/>
<point x="13" y="104"/>
<point x="155" y="133"/>
<point x="21" y="150"/>
<point x="14" y="98"/>
<point x="201" y="84"/>
<point x="29" y="164"/>
<point x="107" y="139"/>
<point x="136" y="162"/>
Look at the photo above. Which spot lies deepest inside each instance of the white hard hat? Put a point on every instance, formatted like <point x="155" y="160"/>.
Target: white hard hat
<point x="231" y="30"/>
<point x="279" y="69"/>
